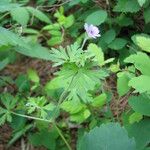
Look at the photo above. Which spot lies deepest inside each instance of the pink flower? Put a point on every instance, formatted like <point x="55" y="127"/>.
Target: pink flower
<point x="92" y="31"/>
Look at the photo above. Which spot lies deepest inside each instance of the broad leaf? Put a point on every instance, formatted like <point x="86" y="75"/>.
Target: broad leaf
<point x="147" y="15"/>
<point x="141" y="62"/>
<point x="141" y="84"/>
<point x="140" y="131"/>
<point x="109" y="136"/>
<point x="140" y="104"/>
<point x="122" y="83"/>
<point x="33" y="76"/>
<point x="48" y="139"/>
<point x="97" y="53"/>
<point x="6" y="6"/>
<point x="9" y="38"/>
<point x="127" y="6"/>
<point x="20" y="15"/>
<point x="109" y="36"/>
<point x="143" y="41"/>
<point x="97" y="17"/>
<point x="135" y="117"/>
<point x="39" y="14"/>
<point x="117" y="44"/>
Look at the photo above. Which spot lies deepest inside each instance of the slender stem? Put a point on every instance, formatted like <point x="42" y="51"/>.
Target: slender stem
<point x="4" y="15"/>
<point x="30" y="117"/>
<point x="40" y="119"/>
<point x="84" y="41"/>
<point x="62" y="97"/>
<point x="62" y="136"/>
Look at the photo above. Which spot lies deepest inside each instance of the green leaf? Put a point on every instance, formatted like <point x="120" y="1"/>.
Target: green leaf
<point x="140" y="104"/>
<point x="140" y="131"/>
<point x="3" y="63"/>
<point x="109" y="136"/>
<point x="124" y="21"/>
<point x="39" y="14"/>
<point x="16" y="135"/>
<point x="117" y="44"/>
<point x="69" y="21"/>
<point x="71" y="54"/>
<point x="97" y="17"/>
<point x="127" y="6"/>
<point x="20" y="15"/>
<point x="33" y="76"/>
<point x="82" y="80"/>
<point x="55" y="33"/>
<point x="21" y="45"/>
<point x="6" y="6"/>
<point x="54" y="26"/>
<point x="141" y="2"/>
<point x="99" y="100"/>
<point x="135" y="117"/>
<point x="56" y="40"/>
<point x="39" y="104"/>
<point x="147" y="15"/>
<point x="109" y="36"/>
<point x="143" y="41"/>
<point x="122" y="83"/>
<point x="140" y="84"/>
<point x="97" y="53"/>
<point x="48" y="139"/>
<point x="72" y="106"/>
<point x="78" y="111"/>
<point x="8" y="101"/>
<point x="80" y="116"/>
<point x="23" y="83"/>
<point x="141" y="62"/>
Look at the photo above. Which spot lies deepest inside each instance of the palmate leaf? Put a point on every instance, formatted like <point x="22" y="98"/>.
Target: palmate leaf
<point x="9" y="102"/>
<point x="39" y="105"/>
<point x="80" y="80"/>
<point x="70" y="54"/>
<point x="109" y="136"/>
